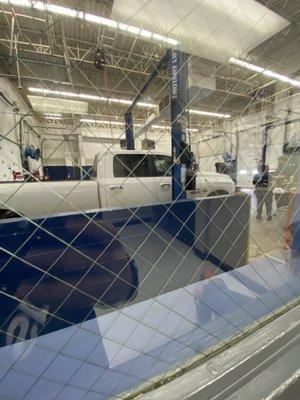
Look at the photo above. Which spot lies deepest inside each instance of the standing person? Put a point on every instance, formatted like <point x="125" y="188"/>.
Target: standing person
<point x="263" y="192"/>
<point x="292" y="229"/>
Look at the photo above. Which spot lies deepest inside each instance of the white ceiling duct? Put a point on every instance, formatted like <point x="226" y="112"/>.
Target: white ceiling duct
<point x="50" y="104"/>
<point x="212" y="29"/>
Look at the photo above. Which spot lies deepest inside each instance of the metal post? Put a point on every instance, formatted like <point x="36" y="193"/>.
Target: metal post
<point x="160" y="65"/>
<point x="286" y="126"/>
<point x="80" y="156"/>
<point x="178" y="67"/>
<point x="237" y="153"/>
<point x="129" y="131"/>
<point x="265" y="143"/>
<point x="296" y="221"/>
<point x="128" y="114"/>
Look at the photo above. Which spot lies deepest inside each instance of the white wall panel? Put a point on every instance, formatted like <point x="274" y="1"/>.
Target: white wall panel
<point x="10" y="154"/>
<point x="10" y="160"/>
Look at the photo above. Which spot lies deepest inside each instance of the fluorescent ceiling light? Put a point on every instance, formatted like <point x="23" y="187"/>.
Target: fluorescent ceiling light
<point x="171" y="41"/>
<point x="157" y="36"/>
<point x="100" y="20"/>
<point x="168" y="127"/>
<point x="160" y="127"/>
<point x="131" y="29"/>
<point x="47" y="92"/>
<point x="118" y="123"/>
<point x="96" y="19"/>
<point x="209" y="114"/>
<point x="142" y="104"/>
<point x="56" y="105"/>
<point x="22" y="3"/>
<point x="145" y="33"/>
<point x="134" y="29"/>
<point x="49" y="114"/>
<point x="53" y="118"/>
<point x="55" y="9"/>
<point x="97" y="121"/>
<point x="266" y="72"/>
<point x="282" y="78"/>
<point x="192" y="130"/>
<point x="245" y="64"/>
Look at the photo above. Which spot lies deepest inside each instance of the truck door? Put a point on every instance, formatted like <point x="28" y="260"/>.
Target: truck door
<point x="162" y="166"/>
<point x="133" y="183"/>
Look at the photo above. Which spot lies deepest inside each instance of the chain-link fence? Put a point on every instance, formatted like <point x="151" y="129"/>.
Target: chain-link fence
<point x="111" y="281"/>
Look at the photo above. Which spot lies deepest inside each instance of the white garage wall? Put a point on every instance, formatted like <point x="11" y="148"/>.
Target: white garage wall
<point x="210" y="151"/>
<point x="250" y="140"/>
<point x="10" y="160"/>
<point x="57" y="149"/>
<point x="249" y="151"/>
<point x="274" y="146"/>
<point x="91" y="149"/>
<point x="293" y="130"/>
<point x="10" y="157"/>
<point x="10" y="154"/>
<point x="162" y="140"/>
<point x="249" y="154"/>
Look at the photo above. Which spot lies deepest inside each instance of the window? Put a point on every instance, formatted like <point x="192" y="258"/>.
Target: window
<point x="163" y="165"/>
<point x="131" y="165"/>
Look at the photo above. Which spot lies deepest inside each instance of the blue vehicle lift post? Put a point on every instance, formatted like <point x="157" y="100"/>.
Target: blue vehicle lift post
<point x="177" y="63"/>
<point x="129" y="130"/>
<point x="265" y="144"/>
<point x="179" y="100"/>
<point x="128" y="114"/>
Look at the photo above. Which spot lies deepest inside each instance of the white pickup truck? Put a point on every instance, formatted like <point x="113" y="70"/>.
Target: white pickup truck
<point x="119" y="179"/>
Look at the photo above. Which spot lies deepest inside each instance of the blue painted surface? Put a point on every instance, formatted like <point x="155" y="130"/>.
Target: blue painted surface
<point x="114" y="352"/>
<point x="179" y="100"/>
<point x="129" y="131"/>
<point x="87" y="172"/>
<point x="296" y="231"/>
<point x="73" y="262"/>
<point x="152" y="299"/>
<point x="62" y="172"/>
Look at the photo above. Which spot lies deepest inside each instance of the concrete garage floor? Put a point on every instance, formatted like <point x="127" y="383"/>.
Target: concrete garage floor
<point x="266" y="237"/>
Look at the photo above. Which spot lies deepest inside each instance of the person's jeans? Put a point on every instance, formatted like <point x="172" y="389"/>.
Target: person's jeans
<point x="264" y="196"/>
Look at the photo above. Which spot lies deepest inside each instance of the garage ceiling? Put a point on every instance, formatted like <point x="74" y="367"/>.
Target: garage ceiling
<point x="213" y="29"/>
<point x="56" y="52"/>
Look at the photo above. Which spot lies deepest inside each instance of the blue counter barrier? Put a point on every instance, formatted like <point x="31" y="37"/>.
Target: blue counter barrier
<point x="93" y="304"/>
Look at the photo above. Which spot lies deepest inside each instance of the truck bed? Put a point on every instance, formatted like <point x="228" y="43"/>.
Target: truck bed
<point x="43" y="198"/>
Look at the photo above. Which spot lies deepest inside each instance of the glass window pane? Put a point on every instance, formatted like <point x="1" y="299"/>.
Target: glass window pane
<point x="130" y="165"/>
<point x="163" y="165"/>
